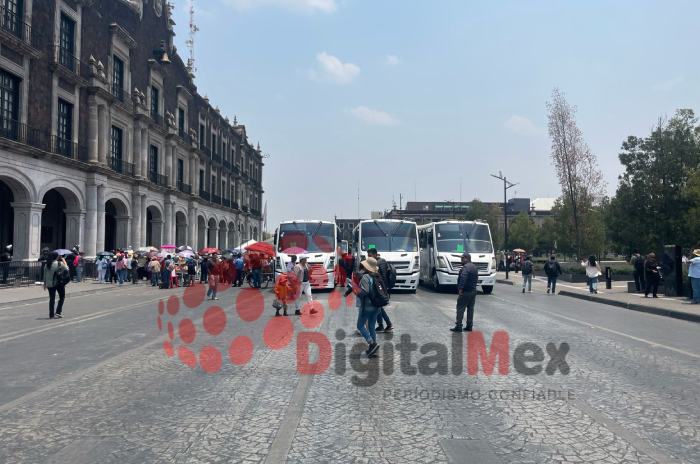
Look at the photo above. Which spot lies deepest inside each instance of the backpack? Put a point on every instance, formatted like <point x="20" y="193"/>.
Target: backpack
<point x="378" y="294"/>
<point x="390" y="276"/>
<point x="527" y="267"/>
<point x="61" y="277"/>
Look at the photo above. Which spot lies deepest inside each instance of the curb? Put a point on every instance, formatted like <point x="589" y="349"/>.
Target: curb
<point x="504" y="281"/>
<point x="5" y="304"/>
<point x="634" y="307"/>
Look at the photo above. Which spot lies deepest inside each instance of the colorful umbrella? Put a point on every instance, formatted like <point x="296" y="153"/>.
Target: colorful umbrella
<point x="186" y="253"/>
<point x="63" y="252"/>
<point x="209" y="251"/>
<point x="518" y="250"/>
<point x="184" y="248"/>
<point x="147" y="249"/>
<point x="262" y="247"/>
<point x="294" y="251"/>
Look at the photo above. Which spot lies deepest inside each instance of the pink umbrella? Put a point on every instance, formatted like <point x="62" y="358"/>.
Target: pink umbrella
<point x="168" y="246"/>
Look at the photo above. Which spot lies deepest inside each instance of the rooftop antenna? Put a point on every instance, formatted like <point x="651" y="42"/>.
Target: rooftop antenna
<point x="358" y="200"/>
<point x="190" y="40"/>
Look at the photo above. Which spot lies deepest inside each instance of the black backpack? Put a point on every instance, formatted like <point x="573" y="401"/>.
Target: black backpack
<point x="390" y="276"/>
<point x="61" y="277"/>
<point x="527" y="267"/>
<point x="378" y="294"/>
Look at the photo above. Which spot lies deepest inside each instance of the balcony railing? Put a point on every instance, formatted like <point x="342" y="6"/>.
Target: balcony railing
<point x="64" y="147"/>
<point x="206" y="150"/>
<point x="120" y="93"/>
<point x="254" y="212"/>
<point x="226" y="202"/>
<point x="234" y="204"/>
<point x="121" y="166"/>
<point x="183" y="134"/>
<point x="158" y="179"/>
<point x="204" y="195"/>
<point x="13" y="24"/>
<point x="235" y="169"/>
<point x="227" y="164"/>
<point x="69" y="62"/>
<point x="184" y="188"/>
<point x="245" y="208"/>
<point x="14" y="130"/>
<point x="215" y="199"/>
<point x="216" y="157"/>
<point x="157" y="118"/>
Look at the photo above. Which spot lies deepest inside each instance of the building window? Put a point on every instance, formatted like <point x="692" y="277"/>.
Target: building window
<point x="12" y="16"/>
<point x="153" y="163"/>
<point x="213" y="144"/>
<point x="118" y="78"/>
<point x="9" y="105"/>
<point x="201" y="180"/>
<point x="181" y="121"/>
<point x="64" y="128"/>
<point x="213" y="185"/>
<point x="223" y="188"/>
<point x="202" y="137"/>
<point x="117" y="146"/>
<point x="66" y="54"/>
<point x="155" y="95"/>
<point x="223" y="150"/>
<point x="180" y="171"/>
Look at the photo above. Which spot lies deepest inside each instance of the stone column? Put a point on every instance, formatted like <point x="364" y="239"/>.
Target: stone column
<point x="173" y="164"/>
<point x="136" y="240"/>
<point x="92" y="128"/>
<point x="169" y="164"/>
<point x="136" y="153"/>
<point x="168" y="227"/>
<point x="144" y="219"/>
<point x="192" y="226"/>
<point x="103" y="135"/>
<point x="144" y="152"/>
<point x="27" y="230"/>
<point x="74" y="229"/>
<point x="173" y="223"/>
<point x="100" y="242"/>
<point x="90" y="245"/>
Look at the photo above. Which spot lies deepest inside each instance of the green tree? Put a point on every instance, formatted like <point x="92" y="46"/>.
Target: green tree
<point x="592" y="229"/>
<point x="547" y="237"/>
<point x="522" y="233"/>
<point x="656" y="194"/>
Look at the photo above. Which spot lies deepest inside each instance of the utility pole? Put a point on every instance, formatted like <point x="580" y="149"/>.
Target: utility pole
<point x="400" y="201"/>
<point x="506" y="186"/>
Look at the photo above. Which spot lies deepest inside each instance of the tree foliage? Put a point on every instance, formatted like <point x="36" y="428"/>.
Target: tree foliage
<point x="576" y="166"/>
<point x="522" y="233"/>
<point x="657" y="197"/>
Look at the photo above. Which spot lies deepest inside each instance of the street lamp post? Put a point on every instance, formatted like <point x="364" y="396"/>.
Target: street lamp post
<point x="506" y="186"/>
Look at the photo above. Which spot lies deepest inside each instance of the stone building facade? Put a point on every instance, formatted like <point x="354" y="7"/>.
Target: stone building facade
<point x="105" y="141"/>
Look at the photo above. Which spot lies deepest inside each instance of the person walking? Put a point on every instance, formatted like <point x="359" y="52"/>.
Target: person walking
<point x="5" y="260"/>
<point x="191" y="272"/>
<point x="239" y="270"/>
<point x="383" y="275"/>
<point x="204" y="270"/>
<point x="293" y="262"/>
<point x="154" y="269"/>
<point x="694" y="275"/>
<point x="134" y="268"/>
<point x="101" y="265"/>
<point x="651" y="275"/>
<point x="368" y="313"/>
<point x="55" y="265"/>
<point x="528" y="269"/>
<point x="553" y="271"/>
<point x="637" y="263"/>
<point x="466" y="286"/>
<point x="256" y="266"/>
<point x="165" y="271"/>
<point x="121" y="268"/>
<point x="79" y="264"/>
<point x="301" y="271"/>
<point x="592" y="273"/>
<point x="213" y="278"/>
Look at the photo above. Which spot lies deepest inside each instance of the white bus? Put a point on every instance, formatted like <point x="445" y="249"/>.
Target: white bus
<point x="441" y="248"/>
<point x="397" y="242"/>
<point x="318" y="240"/>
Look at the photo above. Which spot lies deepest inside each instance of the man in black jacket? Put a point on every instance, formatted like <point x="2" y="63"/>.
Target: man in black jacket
<point x="553" y="271"/>
<point x="466" y="285"/>
<point x="383" y="269"/>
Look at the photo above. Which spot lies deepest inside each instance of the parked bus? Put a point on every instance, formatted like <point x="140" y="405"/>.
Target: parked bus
<point x="397" y="242"/>
<point x="318" y="240"/>
<point x="441" y="248"/>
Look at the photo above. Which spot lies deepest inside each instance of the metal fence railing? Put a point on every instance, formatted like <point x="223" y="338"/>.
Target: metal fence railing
<point x="27" y="273"/>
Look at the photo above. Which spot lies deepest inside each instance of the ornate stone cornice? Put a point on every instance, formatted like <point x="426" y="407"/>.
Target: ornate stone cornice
<point x="123" y="35"/>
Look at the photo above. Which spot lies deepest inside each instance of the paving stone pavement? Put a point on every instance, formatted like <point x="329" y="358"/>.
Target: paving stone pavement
<point x="112" y="394"/>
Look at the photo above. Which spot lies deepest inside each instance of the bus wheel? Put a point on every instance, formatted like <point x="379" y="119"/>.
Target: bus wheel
<point x="487" y="289"/>
<point x="435" y="282"/>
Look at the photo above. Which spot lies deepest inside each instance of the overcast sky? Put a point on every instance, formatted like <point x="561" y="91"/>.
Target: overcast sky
<point x="404" y="96"/>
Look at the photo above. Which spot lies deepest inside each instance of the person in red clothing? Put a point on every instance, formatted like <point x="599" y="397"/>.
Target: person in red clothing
<point x="256" y="264"/>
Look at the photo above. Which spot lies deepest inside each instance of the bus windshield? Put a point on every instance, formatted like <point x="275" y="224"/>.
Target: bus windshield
<point x="389" y="236"/>
<point x="458" y="238"/>
<point x="314" y="237"/>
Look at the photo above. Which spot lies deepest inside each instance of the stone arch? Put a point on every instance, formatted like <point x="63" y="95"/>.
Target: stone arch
<point x="62" y="217"/>
<point x="116" y="222"/>
<point x="154" y="225"/>
<point x="222" y="235"/>
<point x="201" y="232"/>
<point x="20" y="214"/>
<point x="21" y="186"/>
<point x="71" y="192"/>
<point x="211" y="232"/>
<point x="180" y="228"/>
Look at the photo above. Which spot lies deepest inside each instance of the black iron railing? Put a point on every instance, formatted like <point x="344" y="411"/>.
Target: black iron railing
<point x="184" y="188"/>
<point x="226" y="202"/>
<point x="183" y="135"/>
<point x="13" y="24"/>
<point x="206" y="150"/>
<point x="120" y="93"/>
<point x="216" y="157"/>
<point x="204" y="195"/>
<point x="227" y="164"/>
<point x="157" y="118"/>
<point x="14" y="130"/>
<point x="121" y="166"/>
<point x="215" y="199"/>
<point x="235" y="169"/>
<point x="65" y="59"/>
<point x="20" y="273"/>
<point x="158" y="179"/>
<point x="64" y="147"/>
<point x="234" y="204"/>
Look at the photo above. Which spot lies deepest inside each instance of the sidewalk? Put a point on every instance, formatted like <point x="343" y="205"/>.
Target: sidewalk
<point x="677" y="307"/>
<point x="34" y="293"/>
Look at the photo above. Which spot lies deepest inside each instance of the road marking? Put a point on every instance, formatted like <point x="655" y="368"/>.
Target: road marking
<point x="10" y="304"/>
<point x="56" y="325"/>
<point x="643" y="340"/>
